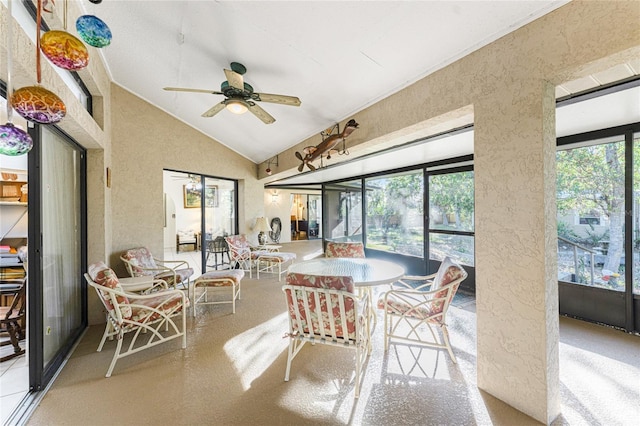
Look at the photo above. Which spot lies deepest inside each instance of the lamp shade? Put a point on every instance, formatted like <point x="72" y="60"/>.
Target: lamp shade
<point x="262" y="225"/>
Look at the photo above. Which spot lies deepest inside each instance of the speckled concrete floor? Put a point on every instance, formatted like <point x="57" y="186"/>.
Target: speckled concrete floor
<point x="233" y="368"/>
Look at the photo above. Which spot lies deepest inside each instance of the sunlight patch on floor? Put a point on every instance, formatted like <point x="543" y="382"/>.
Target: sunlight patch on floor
<point x="583" y="371"/>
<point x="254" y="350"/>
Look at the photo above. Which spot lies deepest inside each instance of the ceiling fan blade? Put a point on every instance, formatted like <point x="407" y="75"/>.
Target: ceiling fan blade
<point x="234" y="79"/>
<point x="260" y="113"/>
<point x="311" y="167"/>
<point x="299" y="156"/>
<point x="300" y="167"/>
<point x="277" y="99"/>
<point x="214" y="110"/>
<point x="183" y="89"/>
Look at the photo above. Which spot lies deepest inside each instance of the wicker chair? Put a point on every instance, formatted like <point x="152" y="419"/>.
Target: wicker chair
<point x="145" y="316"/>
<point x="325" y="309"/>
<point x="411" y="309"/>
<point x="241" y="254"/>
<point x="140" y="262"/>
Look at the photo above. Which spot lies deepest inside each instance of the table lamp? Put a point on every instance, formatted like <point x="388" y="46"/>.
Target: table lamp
<point x="262" y="226"/>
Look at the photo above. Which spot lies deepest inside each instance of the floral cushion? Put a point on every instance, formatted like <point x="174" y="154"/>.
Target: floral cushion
<point x="239" y="247"/>
<point x="102" y="275"/>
<point x="143" y="309"/>
<point x="140" y="259"/>
<point x="181" y="275"/>
<point x="448" y="272"/>
<point x="313" y="322"/>
<point x="401" y="306"/>
<point x="277" y="256"/>
<point x="344" y="249"/>
<point x="220" y="278"/>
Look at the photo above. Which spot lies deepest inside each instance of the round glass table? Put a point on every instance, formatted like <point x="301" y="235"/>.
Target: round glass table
<point x="365" y="272"/>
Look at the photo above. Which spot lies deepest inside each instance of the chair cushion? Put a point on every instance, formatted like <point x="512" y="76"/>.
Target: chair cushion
<point x="327" y="282"/>
<point x="399" y="306"/>
<point x="102" y="275"/>
<point x="239" y="241"/>
<point x="321" y="281"/>
<point x="220" y="278"/>
<point x="168" y="305"/>
<point x="344" y="249"/>
<point x="181" y="275"/>
<point x="278" y="257"/>
<point x="140" y="258"/>
<point x="448" y="272"/>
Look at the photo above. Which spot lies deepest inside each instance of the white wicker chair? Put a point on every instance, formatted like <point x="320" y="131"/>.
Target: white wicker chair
<point x="242" y="255"/>
<point x="324" y="309"/>
<point x="140" y="262"/>
<point x="412" y="309"/>
<point x="144" y="316"/>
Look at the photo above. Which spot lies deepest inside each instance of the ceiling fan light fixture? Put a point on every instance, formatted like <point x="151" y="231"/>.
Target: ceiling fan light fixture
<point x="237" y="106"/>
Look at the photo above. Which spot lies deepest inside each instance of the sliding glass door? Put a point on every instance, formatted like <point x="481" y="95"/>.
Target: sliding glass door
<point x="219" y="220"/>
<point x="57" y="296"/>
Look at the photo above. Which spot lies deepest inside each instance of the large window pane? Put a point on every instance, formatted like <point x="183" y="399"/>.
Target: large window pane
<point x="451" y="201"/>
<point x="344" y="211"/>
<point x="591" y="212"/>
<point x="395" y="219"/>
<point x="458" y="247"/>
<point x="61" y="242"/>
<point x="451" y="217"/>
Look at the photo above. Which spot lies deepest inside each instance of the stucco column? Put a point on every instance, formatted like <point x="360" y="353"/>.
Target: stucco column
<point x="516" y="263"/>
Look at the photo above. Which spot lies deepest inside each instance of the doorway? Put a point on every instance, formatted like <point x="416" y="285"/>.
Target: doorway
<point x="199" y="211"/>
<point x="306" y="216"/>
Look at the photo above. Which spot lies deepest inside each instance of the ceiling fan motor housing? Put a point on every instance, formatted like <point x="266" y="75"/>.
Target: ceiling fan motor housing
<point x="230" y="91"/>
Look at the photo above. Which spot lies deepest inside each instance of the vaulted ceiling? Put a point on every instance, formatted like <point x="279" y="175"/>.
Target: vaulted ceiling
<point x="337" y="57"/>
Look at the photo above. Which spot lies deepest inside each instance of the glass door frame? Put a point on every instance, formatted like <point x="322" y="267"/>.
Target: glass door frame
<point x="39" y="375"/>
<point x="205" y="180"/>
<point x="598" y="304"/>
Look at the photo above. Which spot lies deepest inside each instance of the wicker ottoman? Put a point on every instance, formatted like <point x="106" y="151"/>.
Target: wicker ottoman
<point x="217" y="281"/>
<point x="267" y="262"/>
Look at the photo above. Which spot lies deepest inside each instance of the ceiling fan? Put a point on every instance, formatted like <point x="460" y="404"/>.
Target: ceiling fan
<point x="240" y="96"/>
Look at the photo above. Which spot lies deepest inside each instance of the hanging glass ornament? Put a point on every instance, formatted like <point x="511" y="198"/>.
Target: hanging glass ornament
<point x="38" y="104"/>
<point x="14" y="141"/>
<point x="64" y="50"/>
<point x="93" y="31"/>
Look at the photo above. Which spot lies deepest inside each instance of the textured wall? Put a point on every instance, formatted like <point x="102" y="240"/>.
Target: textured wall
<point x="516" y="286"/>
<point x="145" y="141"/>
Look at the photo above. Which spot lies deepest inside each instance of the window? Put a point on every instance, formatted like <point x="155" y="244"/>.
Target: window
<point x="395" y="213"/>
<point x="344" y="211"/>
<point x="451" y="217"/>
<point x="592" y="179"/>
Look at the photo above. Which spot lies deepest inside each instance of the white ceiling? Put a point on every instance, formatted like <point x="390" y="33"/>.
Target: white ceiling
<point x="337" y="57"/>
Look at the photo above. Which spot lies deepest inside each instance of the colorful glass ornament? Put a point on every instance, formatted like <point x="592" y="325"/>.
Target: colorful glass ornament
<point x="93" y="31"/>
<point x="38" y="104"/>
<point x="14" y="141"/>
<point x="64" y="50"/>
